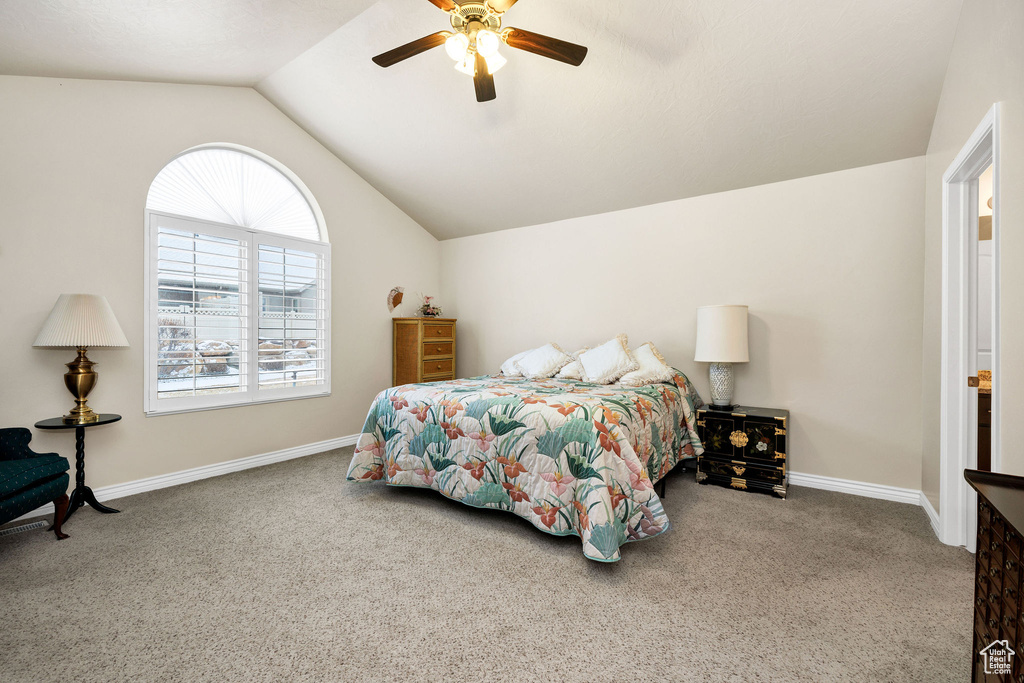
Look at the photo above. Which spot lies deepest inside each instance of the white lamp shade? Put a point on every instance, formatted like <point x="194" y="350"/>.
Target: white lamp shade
<point x="81" y="320"/>
<point x="722" y="334"/>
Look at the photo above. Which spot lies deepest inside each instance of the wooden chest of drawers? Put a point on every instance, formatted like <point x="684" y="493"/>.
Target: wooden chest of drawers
<point x="423" y="350"/>
<point x="744" y="449"/>
<point x="997" y="575"/>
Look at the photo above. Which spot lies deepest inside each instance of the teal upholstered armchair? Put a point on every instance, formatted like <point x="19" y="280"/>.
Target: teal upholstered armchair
<point x="29" y="480"/>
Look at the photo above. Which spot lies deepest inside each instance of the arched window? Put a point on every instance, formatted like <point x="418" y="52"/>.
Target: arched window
<point x="237" y="284"/>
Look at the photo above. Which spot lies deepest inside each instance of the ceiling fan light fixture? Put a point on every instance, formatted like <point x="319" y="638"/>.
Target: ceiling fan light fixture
<point x="475" y="39"/>
<point x="468" y="65"/>
<point x="457" y="46"/>
<point x="487" y="42"/>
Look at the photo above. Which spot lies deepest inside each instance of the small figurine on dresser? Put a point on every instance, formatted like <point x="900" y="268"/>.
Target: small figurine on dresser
<point x="429" y="309"/>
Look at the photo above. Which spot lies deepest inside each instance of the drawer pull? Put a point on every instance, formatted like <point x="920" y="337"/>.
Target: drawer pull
<point x="992" y="623"/>
<point x="1009" y="592"/>
<point x="983" y="554"/>
<point x="993" y="598"/>
<point x="738" y="470"/>
<point x="1009" y="564"/>
<point x="1007" y="621"/>
<point x="994" y="545"/>
<point x="994" y="572"/>
<point x="980" y="601"/>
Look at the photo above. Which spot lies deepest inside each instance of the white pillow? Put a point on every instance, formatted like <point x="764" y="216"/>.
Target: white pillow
<point x="543" y="362"/>
<point x="608" y="362"/>
<point x="573" y="370"/>
<point x="653" y="368"/>
<point x="509" y="369"/>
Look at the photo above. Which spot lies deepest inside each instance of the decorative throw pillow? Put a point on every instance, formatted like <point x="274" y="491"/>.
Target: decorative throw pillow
<point x="573" y="370"/>
<point x="653" y="368"/>
<point x="608" y="362"/>
<point x="509" y="369"/>
<point x="543" y="362"/>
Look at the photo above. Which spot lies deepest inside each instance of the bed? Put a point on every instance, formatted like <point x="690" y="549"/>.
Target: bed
<point x="572" y="458"/>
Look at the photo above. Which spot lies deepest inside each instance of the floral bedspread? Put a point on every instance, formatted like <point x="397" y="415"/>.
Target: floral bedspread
<point x="571" y="457"/>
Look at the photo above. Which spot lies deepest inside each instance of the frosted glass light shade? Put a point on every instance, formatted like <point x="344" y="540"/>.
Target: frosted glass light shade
<point x="495" y="62"/>
<point x="487" y="43"/>
<point x="456" y="46"/>
<point x="722" y="335"/>
<point x="80" y="320"/>
<point x="468" y="65"/>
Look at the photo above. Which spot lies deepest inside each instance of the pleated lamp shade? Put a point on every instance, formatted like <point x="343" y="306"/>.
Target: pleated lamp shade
<point x="722" y="334"/>
<point x="80" y="320"/>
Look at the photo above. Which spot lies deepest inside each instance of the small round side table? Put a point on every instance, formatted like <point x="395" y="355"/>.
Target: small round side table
<point x="82" y="493"/>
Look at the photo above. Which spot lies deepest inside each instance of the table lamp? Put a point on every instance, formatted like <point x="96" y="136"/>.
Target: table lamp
<point x="721" y="341"/>
<point x="80" y="321"/>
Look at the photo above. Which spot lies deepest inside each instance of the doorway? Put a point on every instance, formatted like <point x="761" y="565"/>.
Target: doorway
<point x="970" y="336"/>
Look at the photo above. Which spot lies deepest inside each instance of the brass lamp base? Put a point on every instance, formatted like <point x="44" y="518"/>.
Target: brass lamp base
<point x="80" y="379"/>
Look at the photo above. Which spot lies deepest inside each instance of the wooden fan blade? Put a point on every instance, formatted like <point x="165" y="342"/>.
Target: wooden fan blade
<point x="501" y="5"/>
<point x="483" y="80"/>
<point x="552" y="48"/>
<point x="446" y="5"/>
<point x="411" y="49"/>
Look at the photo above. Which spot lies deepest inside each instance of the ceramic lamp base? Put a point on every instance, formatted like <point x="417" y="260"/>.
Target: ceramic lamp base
<point x="721" y="386"/>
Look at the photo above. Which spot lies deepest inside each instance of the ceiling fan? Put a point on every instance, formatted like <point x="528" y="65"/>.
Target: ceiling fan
<point x="475" y="41"/>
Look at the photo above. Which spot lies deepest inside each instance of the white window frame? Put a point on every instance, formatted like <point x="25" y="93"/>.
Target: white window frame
<point x="252" y="394"/>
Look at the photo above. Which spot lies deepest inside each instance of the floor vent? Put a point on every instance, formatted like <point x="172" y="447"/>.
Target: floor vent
<point x="24" y="527"/>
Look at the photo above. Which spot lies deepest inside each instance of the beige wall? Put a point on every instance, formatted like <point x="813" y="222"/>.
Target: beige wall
<point x="986" y="66"/>
<point x="76" y="160"/>
<point x="830" y="266"/>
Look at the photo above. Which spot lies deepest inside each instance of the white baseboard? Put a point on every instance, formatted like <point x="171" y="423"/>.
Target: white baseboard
<point x="933" y="516"/>
<point x="857" y="488"/>
<point x="162" y="481"/>
<point x="105" y="493"/>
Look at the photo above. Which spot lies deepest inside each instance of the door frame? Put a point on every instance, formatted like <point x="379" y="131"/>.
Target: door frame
<point x="957" y="502"/>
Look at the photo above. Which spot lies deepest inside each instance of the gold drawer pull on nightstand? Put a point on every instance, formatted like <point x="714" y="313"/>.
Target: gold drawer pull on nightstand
<point x="739" y="470"/>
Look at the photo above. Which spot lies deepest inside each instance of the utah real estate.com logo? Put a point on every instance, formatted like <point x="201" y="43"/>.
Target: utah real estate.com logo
<point x="998" y="657"/>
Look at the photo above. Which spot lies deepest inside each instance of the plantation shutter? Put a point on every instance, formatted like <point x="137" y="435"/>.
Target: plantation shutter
<point x="292" y="319"/>
<point x="239" y="316"/>
<point x="202" y="284"/>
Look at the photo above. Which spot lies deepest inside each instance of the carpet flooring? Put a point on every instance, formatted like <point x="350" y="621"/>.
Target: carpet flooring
<point x="290" y="573"/>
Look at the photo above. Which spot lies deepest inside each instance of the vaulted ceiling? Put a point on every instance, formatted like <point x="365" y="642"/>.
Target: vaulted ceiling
<point x="675" y="99"/>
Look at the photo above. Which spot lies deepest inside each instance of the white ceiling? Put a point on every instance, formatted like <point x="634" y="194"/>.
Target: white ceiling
<point x="698" y="96"/>
<point x="226" y="42"/>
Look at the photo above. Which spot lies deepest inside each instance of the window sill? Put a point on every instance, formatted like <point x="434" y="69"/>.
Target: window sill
<point x="203" y="409"/>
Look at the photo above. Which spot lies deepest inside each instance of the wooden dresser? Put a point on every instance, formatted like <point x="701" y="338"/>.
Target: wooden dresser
<point x="744" y="449"/>
<point x="423" y="350"/>
<point x="997" y="598"/>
